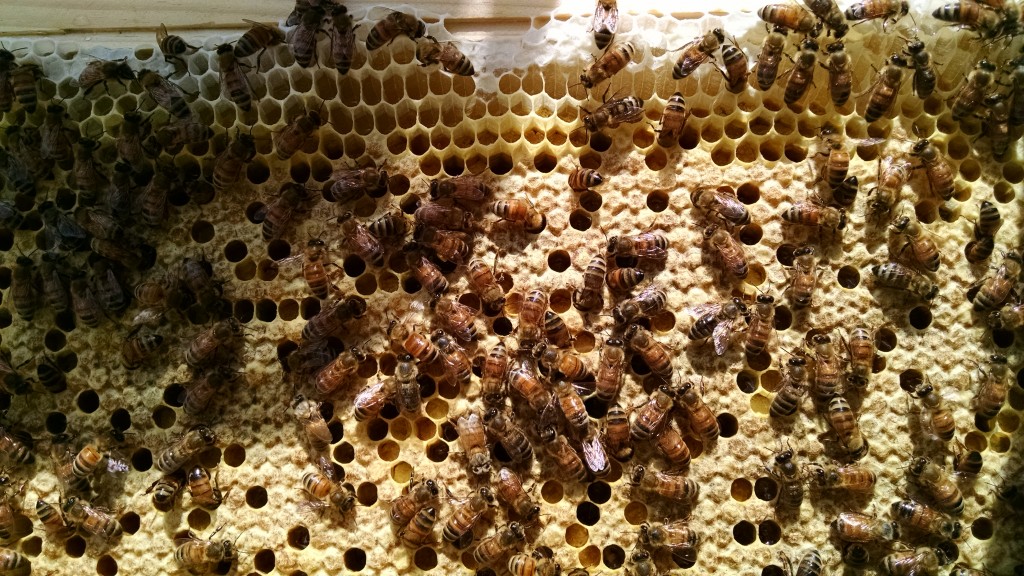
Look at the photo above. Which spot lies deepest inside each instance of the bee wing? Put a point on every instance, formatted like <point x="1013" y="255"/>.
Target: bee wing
<point x="702" y="309"/>
<point x="312" y="508"/>
<point x="721" y="336"/>
<point x="161" y="34"/>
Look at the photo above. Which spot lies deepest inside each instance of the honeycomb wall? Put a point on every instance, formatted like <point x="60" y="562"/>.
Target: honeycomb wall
<point x="516" y="124"/>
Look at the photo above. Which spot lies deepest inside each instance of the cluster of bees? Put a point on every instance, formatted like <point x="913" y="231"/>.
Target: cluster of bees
<point x="99" y="237"/>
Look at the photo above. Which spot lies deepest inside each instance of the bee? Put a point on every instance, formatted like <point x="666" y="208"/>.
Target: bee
<point x="494" y="547"/>
<point x="10" y="217"/>
<point x="762" y="322"/>
<point x="850" y="478"/>
<point x="7" y="66"/>
<point x="606" y="21"/>
<point x="569" y="463"/>
<point x="448" y="55"/>
<point x="22" y="291"/>
<point x="16" y="446"/>
<point x="456" y="318"/>
<point x="772" y="50"/>
<point x="651" y="415"/>
<point x="370" y="249"/>
<point x="509" y="434"/>
<point x="198" y="556"/>
<point x="520" y="211"/>
<point x="697" y="52"/>
<point x="445" y="217"/>
<point x="922" y="560"/>
<point x="343" y="38"/>
<point x="99" y="72"/>
<point x="617" y="433"/>
<point x="801" y="76"/>
<point x="54" y="135"/>
<point x="353" y="183"/>
<point x="992" y="393"/>
<point x="10" y="380"/>
<point x="207" y="343"/>
<point x="177" y="453"/>
<point x="411" y="341"/>
<point x="14" y="564"/>
<point x="940" y="175"/>
<point x="899" y="277"/>
<point x="885" y="88"/>
<point x="926" y="519"/>
<point x="583" y="179"/>
<point x="177" y="134"/>
<point x="789" y="16"/>
<point x="940" y="418"/>
<point x="830" y="14"/>
<point x="924" y="71"/>
<point x="996" y="123"/>
<point x="654" y="354"/>
<point x="962" y="569"/>
<point x="292" y="137"/>
<point x="814" y="213"/>
<point x="172" y="46"/>
<point x="137" y="347"/>
<point x="980" y="249"/>
<point x="791" y="486"/>
<point x="673" y="120"/>
<point x="889" y="186"/>
<point x="203" y="490"/>
<point x="923" y="251"/>
<point x="613" y="60"/>
<point x="647" y="245"/>
<point x="258" y="38"/>
<point x="572" y="407"/>
<point x="405" y="507"/>
<point x="556" y="331"/>
<point x="844" y="422"/>
<point x="1007" y="318"/>
<point x="523" y="379"/>
<point x="88" y="174"/>
<point x="972" y="94"/>
<point x="595" y="457"/>
<point x="1016" y="115"/>
<point x="649" y="302"/>
<point x="407" y="388"/>
<point x="228" y="167"/>
<point x="166" y="94"/>
<point x="392" y="26"/>
<point x="97" y="522"/>
<point x="50" y="375"/>
<point x="531" y="317"/>
<point x="967" y="462"/>
<point x="23" y="84"/>
<point x="846" y="193"/>
<point x="371" y="399"/>
<point x="233" y="82"/>
<point x="87" y="461"/>
<point x="827" y="367"/>
<point x="303" y="37"/>
<point x="729" y="250"/>
<point x="890" y="11"/>
<point x="196" y="276"/>
<point x="787" y="400"/>
<point x="53" y="522"/>
<point x="328" y="492"/>
<point x="641" y="564"/>
<point x="473" y="442"/>
<point x="165" y="490"/>
<point x="419" y="531"/>
<point x="314" y="269"/>
<point x="394" y="225"/>
<point x="626" y="110"/>
<point x="716" y="321"/>
<point x="312" y="422"/>
<point x="672" y="486"/>
<point x="55" y="294"/>
<point x="624" y="279"/>
<point x="291" y="199"/>
<point x="494" y="374"/>
<point x="336" y="373"/>
<point x="702" y="420"/>
<point x="676" y="535"/>
<point x="735" y="67"/>
<point x="991" y="292"/>
<point x="590" y="296"/>
<point x="429" y="276"/>
<point x="855" y="527"/>
<point x="482" y="280"/>
<point x="720" y="204"/>
<point x="467" y="191"/>
<point x="670" y="443"/>
<point x="535" y="563"/>
<point x="465" y="516"/>
<point x="840" y="75"/>
<point x="804" y="276"/>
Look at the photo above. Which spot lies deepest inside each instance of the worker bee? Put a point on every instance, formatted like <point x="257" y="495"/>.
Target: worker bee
<point x="566" y="459"/>
<point x="447" y="245"/>
<point x="673" y="120"/>
<point x="613" y="60"/>
<point x="899" y="277"/>
<point x="428" y="275"/>
<point x="624" y="279"/>
<point x="885" y="88"/>
<point x="697" y="52"/>
<point x="312" y="422"/>
<point x="50" y="375"/>
<point x="845" y="194"/>
<point x="371" y="400"/>
<point x="922" y="560"/>
<point x="735" y="67"/>
<point x="861" y="528"/>
<point x="729" y="250"/>
<point x="205" y="346"/>
<point x="1016" y="115"/>
<point x="789" y="16"/>
<point x="676" y="535"/>
<point x="531" y="318"/>
<point x="556" y="331"/>
<point x="654" y="354"/>
<point x="801" y="76"/>
<point x="457" y="365"/>
<point x="172" y="46"/>
<point x="165" y="490"/>
<point x="851" y="478"/>
<point x="350" y="184"/>
<point x="366" y="246"/>
<point x="494" y="547"/>
<point x="292" y="137"/>
<point x="626" y="110"/>
<point x="483" y="281"/>
<point x="926" y="519"/>
<point x="940" y="175"/>
<point x="640" y="563"/>
<point x="583" y="179"/>
<point x="924" y="71"/>
<point x="7" y="67"/>
<point x="787" y="400"/>
<point x="343" y="38"/>
<point x="589" y="297"/>
<point x="979" y="249"/>
<point x="23" y="84"/>
<point x="716" y="321"/>
<point x="465" y="516"/>
<point x="10" y="217"/>
<point x="992" y="292"/>
<point x="520" y="211"/>
<point x="328" y="492"/>
<point x="87" y="461"/>
<point x="199" y="556"/>
<point x="890" y="11"/>
<point x="760" y="326"/>
<point x="1007" y="318"/>
<point x="16" y="446"/>
<point x="827" y="367"/>
<point x="594" y="455"/>
<point x="99" y="72"/>
<point x="392" y="26"/>
<point x="473" y="443"/>
<point x="923" y="251"/>
<point x="510" y="491"/>
<point x="22" y="291"/>
<point x="203" y="489"/>
<point x="55" y="136"/>
<point x="407" y="388"/>
<point x="972" y="94"/>
<point x="936" y="484"/>
<point x="651" y="415"/>
<point x="672" y="486"/>
<point x="670" y="443"/>
<point x="447" y="217"/>
<point x="509" y="434"/>
<point x="467" y="191"/>
<point x="791" y="482"/>
<point x="175" y="135"/>
<point x="165" y="93"/>
<point x="55" y="294"/>
<point x="196" y="276"/>
<point x="606" y="21"/>
<point x="494" y="374"/>
<point x="11" y="381"/>
<point x="87" y="172"/>
<point x="963" y="569"/>
<point x="702" y="420"/>
<point x="448" y="55"/>
<point x="97" y="522"/>
<point x="844" y="423"/>
<point x="258" y="38"/>
<point x="335" y="374"/>
<point x="647" y="245"/>
<point x="394" y="225"/>
<point x="772" y="50"/>
<point x="572" y="407"/>
<point x="992" y="393"/>
<point x="840" y="74"/>
<point x="303" y="38"/>
<point x="177" y="453"/>
<point x="889" y="186"/>
<point x="720" y="204"/>
<point x="233" y="82"/>
<point x="314" y="269"/>
<point x="966" y="463"/>
<point x="649" y="302"/>
<point x="53" y="522"/>
<point x="405" y="507"/>
<point x="996" y="123"/>
<point x="803" y="276"/>
<point x="138" y="346"/>
<point x="523" y="379"/>
<point x="409" y="340"/>
<point x="830" y="14"/>
<point x="228" y="167"/>
<point x="537" y="563"/>
<point x="617" y="433"/>
<point x="940" y="418"/>
<point x="456" y="318"/>
<point x="814" y="213"/>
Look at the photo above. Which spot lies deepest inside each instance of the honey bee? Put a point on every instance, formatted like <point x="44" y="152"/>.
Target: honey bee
<point x="329" y="493"/>
<point x="456" y="318"/>
<point x="671" y="445"/>
<point x="228" y="167"/>
<point x="55" y="295"/>
<point x="50" y="375"/>
<point x="962" y="569"/>
<point x="850" y="478"/>
<point x="86" y="461"/>
<point x="889" y="186"/>
<point x="697" y="52"/>
<point x="303" y="37"/>
<point x="966" y="463"/>
<point x="350" y="184"/>
<point x="53" y="522"/>
<point x="791" y="482"/>
<point x="407" y="339"/>
<point x="673" y="120"/>
<point x="787" y="400"/>
<point x="177" y="453"/>
<point x="392" y="26"/>
<point x="510" y="435"/>
<point x="172" y="46"/>
<point x="885" y="88"/>
<point x="772" y="50"/>
<point x="16" y="446"/>
<point x="729" y="250"/>
<point x="367" y="247"/>
<point x="371" y="399"/>
<point x="520" y="211"/>
<point x="940" y="418"/>
<point x="926" y="519"/>
<point x="10" y="216"/>
<point x="407" y="388"/>
<point x="1007" y="318"/>
<point x="647" y="245"/>
<point x="840" y="74"/>
<point x="606" y="21"/>
<point x="531" y="318"/>
<point x="165" y="490"/>
<point x="54" y="135"/>
<point x="566" y="459"/>
<point x="494" y="375"/>
<point x="702" y="420"/>
<point x="814" y="213"/>
<point x="844" y="423"/>
<point x="312" y="422"/>
<point x="649" y="302"/>
<point x="233" y="82"/>
<point x="572" y="407"/>
<point x="923" y="251"/>
<point x="735" y="67"/>
<point x="523" y="379"/>
<point x="485" y="284"/>
<point x="23" y="84"/>
<point x="590" y="296"/>
<point x="343" y="38"/>
<point x="405" y="507"/>
<point x="595" y="457"/>
<point x="1016" y="116"/>
<point x="22" y="291"/>
<point x="992" y="393"/>
<point x="138" y="346"/>
<point x="88" y="174"/>
<point x="827" y="367"/>
<point x="14" y="564"/>
<point x="899" y="277"/>
<point x="655" y="355"/>
<point x="293" y="136"/>
<point x="937" y="485"/>
<point x="510" y="491"/>
<point x="466" y="515"/>
<point x="996" y="123"/>
<point x="203" y="489"/>
<point x="972" y="94"/>
<point x="624" y="279"/>
<point x="7" y="66"/>
<point x="457" y="365"/>
<point x="923" y="560"/>
<point x="447" y="217"/>
<point x="979" y="249"/>
<point x="804" y="276"/>
<point x="493" y="548"/>
<point x="556" y="331"/>
<point x="613" y="60"/>
<point x="801" y="76"/>
<point x="394" y="225"/>
<point x="617" y="433"/>
<point x="583" y="179"/>
<point x="991" y="292"/>
<point x="165" y="93"/>
<point x="790" y="16"/>
<point x="11" y="381"/>
<point x="468" y="191"/>
<point x="860" y="528"/>
<point x="626" y="110"/>
<point x="258" y="38"/>
<point x="762" y="322"/>
<point x="175" y="135"/>
<point x="676" y="535"/>
<point x="314" y="268"/>
<point x="205" y="346"/>
<point x="96" y="522"/>
<point x="640" y="563"/>
<point x="448" y="55"/>
<point x="924" y="71"/>
<point x="846" y="193"/>
<point x="652" y="414"/>
<point x="890" y="11"/>
<point x="716" y="321"/>
<point x="536" y="563"/>
<point x="720" y="204"/>
<point x="99" y="72"/>
<point x="672" y="486"/>
<point x="199" y="556"/>
<point x="940" y="175"/>
<point x="473" y="442"/>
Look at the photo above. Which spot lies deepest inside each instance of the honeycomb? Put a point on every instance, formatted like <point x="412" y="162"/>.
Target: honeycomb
<point x="516" y="124"/>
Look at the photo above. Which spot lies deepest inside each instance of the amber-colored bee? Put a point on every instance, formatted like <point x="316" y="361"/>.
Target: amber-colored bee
<point x="1007" y="318"/>
<point x="814" y="213"/>
<point x="16" y="446"/>
<point x="494" y="375"/>
<point x="572" y="407"/>
<point x="861" y="528"/>
<point x="924" y="71"/>
<point x="617" y="435"/>
<point x="302" y="40"/>
<point x="485" y="284"/>
<point x="531" y="318"/>
<point x="277" y="216"/>
<point x="676" y="535"/>
<point x="97" y="522"/>
<point x="520" y="211"/>
<point x="671" y="445"/>
<point x="626" y="110"/>
<point x="993" y="390"/>
<point x="537" y="563"/>
<point x="768" y="60"/>
<point x="590" y="296"/>
<point x="803" y="276"/>
<point x="87" y="461"/>
<point x="702" y="420"/>
<point x="446" y="217"/>
<point x="229" y="165"/>
<point x="791" y="482"/>
<point x="851" y="478"/>
<point x="624" y="279"/>
<point x="456" y="318"/>
<point x="801" y="76"/>
<point x="405" y="507"/>
<point x="940" y="418"/>
<point x="473" y="443"/>
<point x="790" y="16"/>
<point x="329" y="492"/>
<point x="172" y="46"/>
<point x="735" y="67"/>
<point x="233" y="82"/>
<point x="613" y="60"/>
<point x="936" y="484"/>
<point x="923" y="251"/>
<point x="761" y="325"/>
<point x="922" y="560"/>
<point x="332" y="318"/>
<point x="647" y="245"/>
<point x="889" y="186"/>
<point x="606" y="21"/>
<point x="654" y="354"/>
<point x="966" y="462"/>
<point x="827" y="368"/>
<point x="312" y="422"/>
<point x="899" y="277"/>
<point x="292" y="137"/>
<point x="207" y="343"/>
<point x="787" y="400"/>
<point x="99" y="72"/>
<point x="649" y="302"/>
<point x="509" y="434"/>
<point x="510" y="492"/>
<point x="165" y="93"/>
<point x="199" y="556"/>
<point x="53" y="522"/>
<point x="885" y="88"/>
<point x="350" y="184"/>
<point x="466" y="515"/>
<point x="165" y="490"/>
<point x="457" y="365"/>
<point x="844" y="423"/>
<point x="203" y="489"/>
<point x="926" y="519"/>
<point x="343" y="38"/>
<point x="729" y="250"/>
<point x="993" y="291"/>
<point x="258" y="38"/>
<point x="523" y="379"/>
<point x="392" y="26"/>
<point x="651" y="415"/>
<point x="405" y="338"/>
<point x="138" y="346"/>
<point x="582" y="179"/>
<point x="428" y="275"/>
<point x="493" y="548"/>
<point x="938" y="171"/>
<point x="673" y="120"/>
<point x="314" y="269"/>
<point x="369" y="248"/>
<point x="716" y="321"/>
<point x="890" y="11"/>
<point x="371" y="399"/>
<point x="672" y="486"/>
<point x="697" y="52"/>
<point x="180" y="451"/>
<point x="569" y="463"/>
<point x="447" y="54"/>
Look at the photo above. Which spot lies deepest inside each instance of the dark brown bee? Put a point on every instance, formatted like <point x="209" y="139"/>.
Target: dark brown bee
<point x="590" y="296"/>
<point x="840" y="73"/>
<point x="371" y="399"/>
<point x="522" y="212"/>
<point x="996" y="123"/>
<point x="394" y="225"/>
<point x="791" y="393"/>
<point x="51" y="280"/>
<point x="200" y="391"/>
<point x="509" y="434"/>
<point x="179" y="452"/>
<point x="651" y="415"/>
<point x="611" y="114"/>
<point x="697" y="52"/>
<point x="899" y="277"/>
<point x="447" y="245"/>
<point x="196" y="276"/>
<point x="151" y="202"/>
<point x="53" y="522"/>
<point x="827" y="369"/>
<point x="671" y="445"/>
<point x="50" y="375"/>
<point x="510" y="491"/>
<point x="128" y="254"/>
<point x="257" y="38"/>
<point x="830" y="14"/>
<point x="844" y="423"/>
<point x="992" y="393"/>
<point x="846" y="193"/>
<point x="624" y="279"/>
<point x="647" y="245"/>
<point x="328" y="492"/>
<point x="605" y="23"/>
<point x="583" y="179"/>
<point x="493" y="548"/>
<point x="96" y="522"/>
<point x="138" y="347"/>
<point x="61" y="231"/>
<point x="229" y="165"/>
<point x="702" y="420"/>
<point x="803" y="276"/>
<point x="350" y="184"/>
<point x="99" y="72"/>
<point x="716" y="321"/>
<point x="165" y="93"/>
<point x="361" y="242"/>
<point x="676" y="535"/>
<point x="7" y="66"/>
<point x="721" y="204"/>
<point x="429" y="276"/>
<point x="465" y="516"/>
<point x="303" y="37"/>
<point x="336" y="373"/>
<point x="672" y="486"/>
<point x="924" y="71"/>
<point x="850" y="478"/>
<point x="87" y="172"/>
<point x="938" y="171"/>
<point x="87" y="309"/>
<point x="966" y="462"/>
<point x="494" y="374"/>
<point x="10" y="216"/>
<point x="772" y="50"/>
<point x="736" y="69"/>
<point x="446" y="217"/>
<point x="467" y="191"/>
<point x="343" y="38"/>
<point x="16" y="446"/>
<point x="729" y="251"/>
<point x="890" y="11"/>
<point x="761" y="325"/>
<point x="11" y="381"/>
<point x="523" y="379"/>
<point x="569" y="463"/>
<point x="926" y="520"/>
<point x="456" y="318"/>
<point x="448" y="55"/>
<point x="791" y="482"/>
<point x="673" y="120"/>
<point x="616" y="434"/>
<point x="801" y="76"/>
<point x="861" y="528"/>
<point x="613" y="60"/>
<point x="980" y="249"/>
<point x="55" y="136"/>
<point x="556" y="331"/>
<point x="993" y="291"/>
<point x="473" y="442"/>
<point x="233" y="82"/>
<point x="23" y="83"/>
<point x="937" y="485"/>
<point x="1016" y="117"/>
<point x="332" y="318"/>
<point x="649" y="302"/>
<point x="278" y="215"/>
<point x="392" y="26"/>
<point x="972" y="94"/>
<point x="174" y="135"/>
<point x="923" y="251"/>
<point x="654" y="354"/>
<point x="172" y="46"/>
<point x="203" y="489"/>
<point x="790" y="16"/>
<point x="292" y="137"/>
<point x="885" y="88"/>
